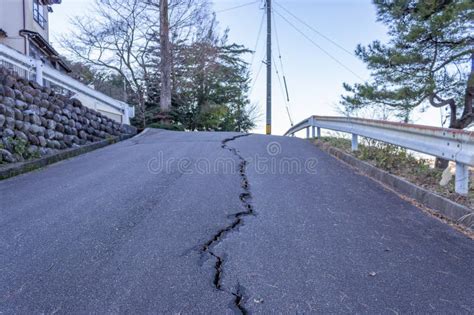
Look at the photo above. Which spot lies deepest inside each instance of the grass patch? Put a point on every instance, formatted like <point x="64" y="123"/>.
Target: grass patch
<point x="171" y="127"/>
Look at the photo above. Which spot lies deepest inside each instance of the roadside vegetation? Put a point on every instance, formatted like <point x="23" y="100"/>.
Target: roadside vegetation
<point x="400" y="162"/>
<point x="428" y="61"/>
<point x="17" y="149"/>
<point x="172" y="127"/>
<point x="116" y="48"/>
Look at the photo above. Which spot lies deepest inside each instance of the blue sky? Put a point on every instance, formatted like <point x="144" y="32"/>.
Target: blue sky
<point x="314" y="79"/>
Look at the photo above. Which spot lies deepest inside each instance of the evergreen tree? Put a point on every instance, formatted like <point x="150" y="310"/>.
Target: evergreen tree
<point x="211" y="84"/>
<point x="427" y="60"/>
<point x="209" y="79"/>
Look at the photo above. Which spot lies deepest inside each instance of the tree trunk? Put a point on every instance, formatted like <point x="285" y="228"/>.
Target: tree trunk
<point x="165" y="93"/>
<point x="142" y="111"/>
<point x="467" y="116"/>
<point x="441" y="164"/>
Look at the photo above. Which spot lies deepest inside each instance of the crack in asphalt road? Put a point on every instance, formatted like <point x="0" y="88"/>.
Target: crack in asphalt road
<point x="105" y="232"/>
<point x="245" y="198"/>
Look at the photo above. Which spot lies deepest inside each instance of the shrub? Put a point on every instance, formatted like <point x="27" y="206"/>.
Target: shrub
<point x="166" y="126"/>
<point x="19" y="147"/>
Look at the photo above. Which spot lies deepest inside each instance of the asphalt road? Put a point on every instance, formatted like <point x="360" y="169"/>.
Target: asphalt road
<point x="222" y="223"/>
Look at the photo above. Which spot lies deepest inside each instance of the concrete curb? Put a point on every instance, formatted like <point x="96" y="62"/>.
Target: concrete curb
<point x="443" y="206"/>
<point x="11" y="170"/>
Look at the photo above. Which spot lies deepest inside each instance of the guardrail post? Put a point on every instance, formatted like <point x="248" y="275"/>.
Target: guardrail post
<point x="39" y="71"/>
<point x="313" y="128"/>
<point x="462" y="179"/>
<point x="355" y="142"/>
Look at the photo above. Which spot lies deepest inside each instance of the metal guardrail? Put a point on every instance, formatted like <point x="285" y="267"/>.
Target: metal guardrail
<point x="450" y="144"/>
<point x="37" y="70"/>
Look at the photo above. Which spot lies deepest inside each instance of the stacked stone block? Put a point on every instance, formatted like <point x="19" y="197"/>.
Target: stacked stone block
<point x="46" y="121"/>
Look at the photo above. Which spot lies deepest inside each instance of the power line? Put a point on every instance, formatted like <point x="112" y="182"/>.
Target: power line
<point x="258" y="40"/>
<point x="255" y="53"/>
<point x="256" y="77"/>
<point x="286" y="98"/>
<point x="319" y="47"/>
<point x="282" y="92"/>
<point x="315" y="30"/>
<point x="278" y="46"/>
<point x="238" y="7"/>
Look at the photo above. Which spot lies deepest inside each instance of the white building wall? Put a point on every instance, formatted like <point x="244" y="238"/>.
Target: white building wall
<point x="17" y="15"/>
<point x="13" y="19"/>
<point x="31" y="24"/>
<point x="103" y="108"/>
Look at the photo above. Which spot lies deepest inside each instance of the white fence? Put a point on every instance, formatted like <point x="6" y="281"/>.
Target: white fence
<point x="450" y="144"/>
<point x="36" y="70"/>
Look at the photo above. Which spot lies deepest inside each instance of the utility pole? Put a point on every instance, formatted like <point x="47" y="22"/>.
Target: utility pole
<point x="165" y="64"/>
<point x="269" y="67"/>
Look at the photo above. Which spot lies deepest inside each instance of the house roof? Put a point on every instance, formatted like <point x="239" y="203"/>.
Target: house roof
<point x="51" y="2"/>
<point x="45" y="47"/>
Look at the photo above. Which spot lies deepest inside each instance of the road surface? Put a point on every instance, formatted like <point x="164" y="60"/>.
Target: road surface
<point x="222" y="223"/>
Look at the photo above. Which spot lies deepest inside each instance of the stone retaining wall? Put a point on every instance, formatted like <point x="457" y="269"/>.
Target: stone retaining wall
<point x="36" y="121"/>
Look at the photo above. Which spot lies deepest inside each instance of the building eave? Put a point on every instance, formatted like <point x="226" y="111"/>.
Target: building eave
<point x="45" y="47"/>
<point x="50" y="2"/>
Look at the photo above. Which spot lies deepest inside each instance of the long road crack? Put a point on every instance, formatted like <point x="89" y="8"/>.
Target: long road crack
<point x="245" y="198"/>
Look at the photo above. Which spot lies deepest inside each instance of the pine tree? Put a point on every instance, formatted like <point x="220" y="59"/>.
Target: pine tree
<point x="212" y="82"/>
<point x="428" y="60"/>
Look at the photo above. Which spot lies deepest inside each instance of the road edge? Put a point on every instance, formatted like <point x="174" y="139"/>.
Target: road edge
<point x="15" y="169"/>
<point x="441" y="206"/>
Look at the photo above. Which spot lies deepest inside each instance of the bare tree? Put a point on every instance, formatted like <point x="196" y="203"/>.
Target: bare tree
<point x="114" y="39"/>
<point x="202" y="75"/>
<point x="121" y="36"/>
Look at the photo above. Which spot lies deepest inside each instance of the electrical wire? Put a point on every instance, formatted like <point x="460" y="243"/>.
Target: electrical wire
<point x="238" y="7"/>
<point x="279" y="55"/>
<point x="315" y="30"/>
<point x="256" y="78"/>
<point x="282" y="91"/>
<point x="318" y="46"/>
<point x="255" y="53"/>
<point x="257" y="41"/>
<point x="283" y="88"/>
<point x="277" y="41"/>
